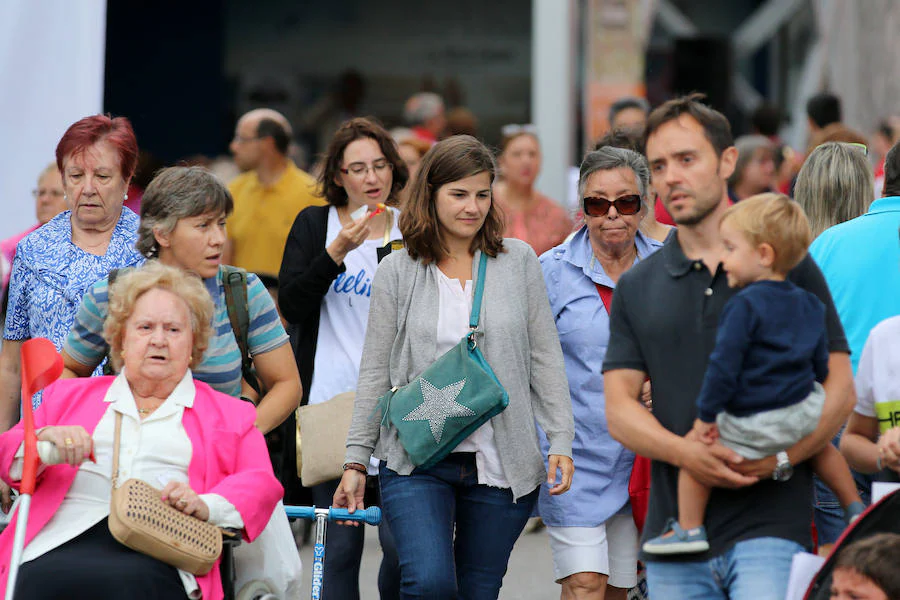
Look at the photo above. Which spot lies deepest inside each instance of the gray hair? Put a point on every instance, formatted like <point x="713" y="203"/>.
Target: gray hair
<point x="177" y="193"/>
<point x="609" y="158"/>
<point x="421" y="107"/>
<point x="747" y="145"/>
<point x="834" y="185"/>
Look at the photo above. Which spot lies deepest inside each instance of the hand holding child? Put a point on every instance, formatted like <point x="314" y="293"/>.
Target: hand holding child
<point x="707" y="432"/>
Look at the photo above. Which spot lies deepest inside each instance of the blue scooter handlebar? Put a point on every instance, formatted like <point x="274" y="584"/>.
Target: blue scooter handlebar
<point x="370" y="516"/>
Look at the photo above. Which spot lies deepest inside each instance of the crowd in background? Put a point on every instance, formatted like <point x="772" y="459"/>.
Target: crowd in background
<point x="387" y="223"/>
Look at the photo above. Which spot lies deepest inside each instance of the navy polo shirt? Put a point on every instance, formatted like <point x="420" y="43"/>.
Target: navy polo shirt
<point x="665" y="315"/>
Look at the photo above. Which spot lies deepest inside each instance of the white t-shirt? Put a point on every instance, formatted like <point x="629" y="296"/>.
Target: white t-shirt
<point x="344" y="316"/>
<point x="454" y="308"/>
<point x="878" y="375"/>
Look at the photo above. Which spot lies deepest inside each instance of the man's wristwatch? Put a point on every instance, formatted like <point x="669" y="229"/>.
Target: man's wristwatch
<point x="783" y="469"/>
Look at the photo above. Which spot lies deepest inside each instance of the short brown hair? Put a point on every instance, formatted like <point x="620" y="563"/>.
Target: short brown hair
<point x="776" y="220"/>
<point x="132" y="284"/>
<point x="715" y="125"/>
<point x="352" y="130"/>
<point x="874" y="558"/>
<point x="449" y="160"/>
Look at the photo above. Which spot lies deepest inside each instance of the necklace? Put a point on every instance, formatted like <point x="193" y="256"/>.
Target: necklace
<point x="144" y="411"/>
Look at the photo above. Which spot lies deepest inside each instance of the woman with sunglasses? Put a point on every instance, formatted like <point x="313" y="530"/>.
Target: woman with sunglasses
<point x="528" y="214"/>
<point x="592" y="533"/>
<point x="325" y="284"/>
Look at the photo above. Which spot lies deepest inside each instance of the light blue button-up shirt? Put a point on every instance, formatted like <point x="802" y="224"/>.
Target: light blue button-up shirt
<point x="602" y="465"/>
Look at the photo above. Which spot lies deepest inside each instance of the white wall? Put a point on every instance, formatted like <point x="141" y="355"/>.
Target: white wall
<point x="51" y="75"/>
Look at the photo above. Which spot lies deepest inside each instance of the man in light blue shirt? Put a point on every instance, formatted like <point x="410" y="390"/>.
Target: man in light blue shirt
<point x="861" y="262"/>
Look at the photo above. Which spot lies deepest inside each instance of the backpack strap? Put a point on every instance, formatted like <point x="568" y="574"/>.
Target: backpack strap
<point x="110" y="280"/>
<point x="238" y="306"/>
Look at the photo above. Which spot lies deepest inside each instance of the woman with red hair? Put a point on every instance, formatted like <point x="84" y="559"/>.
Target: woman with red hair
<point x="57" y="263"/>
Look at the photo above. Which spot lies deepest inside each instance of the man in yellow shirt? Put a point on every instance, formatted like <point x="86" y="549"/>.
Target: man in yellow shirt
<point x="268" y="195"/>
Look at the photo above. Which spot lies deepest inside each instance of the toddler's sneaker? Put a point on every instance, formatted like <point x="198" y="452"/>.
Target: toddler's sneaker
<point x="676" y="540"/>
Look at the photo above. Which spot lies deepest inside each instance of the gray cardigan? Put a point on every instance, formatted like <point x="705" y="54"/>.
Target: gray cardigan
<point x="517" y="335"/>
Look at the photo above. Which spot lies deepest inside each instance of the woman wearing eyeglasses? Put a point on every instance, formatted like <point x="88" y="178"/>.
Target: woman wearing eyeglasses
<point x="49" y="200"/>
<point x="528" y="214"/>
<point x="324" y="288"/>
<point x="592" y="533"/>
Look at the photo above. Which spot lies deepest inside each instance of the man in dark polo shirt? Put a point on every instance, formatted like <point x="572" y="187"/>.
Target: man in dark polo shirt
<point x="664" y="318"/>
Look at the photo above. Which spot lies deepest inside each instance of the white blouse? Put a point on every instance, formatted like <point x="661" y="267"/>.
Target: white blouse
<point x="156" y="450"/>
<point x="454" y="308"/>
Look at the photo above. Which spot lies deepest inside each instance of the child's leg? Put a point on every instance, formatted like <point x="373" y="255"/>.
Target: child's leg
<point x="692" y="499"/>
<point x="688" y="535"/>
<point x="831" y="468"/>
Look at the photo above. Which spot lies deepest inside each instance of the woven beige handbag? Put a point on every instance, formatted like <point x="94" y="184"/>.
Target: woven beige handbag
<point x="139" y="519"/>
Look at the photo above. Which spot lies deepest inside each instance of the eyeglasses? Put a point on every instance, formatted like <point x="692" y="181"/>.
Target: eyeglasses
<point x="41" y="192"/>
<point x="599" y="207"/>
<point x="243" y="140"/>
<point x="360" y="170"/>
<point x="513" y="129"/>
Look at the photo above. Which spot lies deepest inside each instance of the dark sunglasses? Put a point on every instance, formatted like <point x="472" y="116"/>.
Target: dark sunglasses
<point x="599" y="207"/>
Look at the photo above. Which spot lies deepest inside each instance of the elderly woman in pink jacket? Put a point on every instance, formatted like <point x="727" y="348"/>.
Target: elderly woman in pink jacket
<point x="198" y="445"/>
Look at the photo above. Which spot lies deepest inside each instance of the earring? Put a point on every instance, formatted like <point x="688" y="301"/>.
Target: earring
<point x="65" y="198"/>
<point x="126" y="196"/>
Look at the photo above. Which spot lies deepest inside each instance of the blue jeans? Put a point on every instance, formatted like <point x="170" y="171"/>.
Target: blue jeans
<point x="828" y="514"/>
<point x="756" y="569"/>
<point x="424" y="509"/>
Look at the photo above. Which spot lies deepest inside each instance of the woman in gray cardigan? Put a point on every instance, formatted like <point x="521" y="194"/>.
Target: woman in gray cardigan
<point x="455" y="523"/>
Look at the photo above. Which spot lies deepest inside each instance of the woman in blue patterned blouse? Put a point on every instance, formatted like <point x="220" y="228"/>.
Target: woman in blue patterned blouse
<point x="57" y="263"/>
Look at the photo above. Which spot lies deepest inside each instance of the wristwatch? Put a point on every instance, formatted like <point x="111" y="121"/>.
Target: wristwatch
<point x="783" y="469"/>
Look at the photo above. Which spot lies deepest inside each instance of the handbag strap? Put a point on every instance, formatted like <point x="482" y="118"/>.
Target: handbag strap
<point x="116" y="436"/>
<point x="479" y="292"/>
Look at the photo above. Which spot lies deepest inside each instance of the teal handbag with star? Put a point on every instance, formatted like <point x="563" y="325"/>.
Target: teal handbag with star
<point x="452" y="398"/>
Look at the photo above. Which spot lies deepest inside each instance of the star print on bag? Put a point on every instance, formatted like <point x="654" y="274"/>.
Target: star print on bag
<point x="438" y="405"/>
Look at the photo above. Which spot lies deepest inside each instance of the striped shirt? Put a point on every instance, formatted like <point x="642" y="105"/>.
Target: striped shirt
<point x="221" y="365"/>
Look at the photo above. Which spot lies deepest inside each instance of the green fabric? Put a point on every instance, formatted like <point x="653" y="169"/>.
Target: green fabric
<point x="452" y="398"/>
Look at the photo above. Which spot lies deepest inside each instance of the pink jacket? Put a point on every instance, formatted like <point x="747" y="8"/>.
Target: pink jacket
<point x="229" y="458"/>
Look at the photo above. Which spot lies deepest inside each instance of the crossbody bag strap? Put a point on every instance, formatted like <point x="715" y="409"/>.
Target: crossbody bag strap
<point x="479" y="292"/>
<point x="116" y="437"/>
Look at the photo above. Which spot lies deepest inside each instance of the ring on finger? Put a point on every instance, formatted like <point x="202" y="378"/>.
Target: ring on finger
<point x="68" y="441"/>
